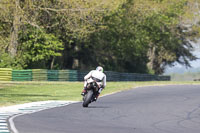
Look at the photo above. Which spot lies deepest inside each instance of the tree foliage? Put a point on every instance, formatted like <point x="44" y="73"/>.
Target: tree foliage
<point x="121" y="35"/>
<point x="38" y="46"/>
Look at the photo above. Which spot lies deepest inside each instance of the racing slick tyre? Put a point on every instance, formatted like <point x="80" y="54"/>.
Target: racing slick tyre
<point x="87" y="98"/>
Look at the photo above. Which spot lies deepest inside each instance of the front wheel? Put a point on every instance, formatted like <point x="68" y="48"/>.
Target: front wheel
<point x="87" y="98"/>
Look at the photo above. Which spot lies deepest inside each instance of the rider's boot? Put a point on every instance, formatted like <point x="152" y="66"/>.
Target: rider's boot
<point x="83" y="92"/>
<point x="95" y="99"/>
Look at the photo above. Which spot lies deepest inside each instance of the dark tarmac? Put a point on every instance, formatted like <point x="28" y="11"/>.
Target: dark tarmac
<point x="162" y="109"/>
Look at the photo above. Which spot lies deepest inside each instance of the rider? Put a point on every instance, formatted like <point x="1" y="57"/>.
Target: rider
<point x="99" y="75"/>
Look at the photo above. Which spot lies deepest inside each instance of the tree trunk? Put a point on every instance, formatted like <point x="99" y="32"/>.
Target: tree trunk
<point x="52" y="63"/>
<point x="14" y="30"/>
<point x="75" y="64"/>
<point x="151" y="56"/>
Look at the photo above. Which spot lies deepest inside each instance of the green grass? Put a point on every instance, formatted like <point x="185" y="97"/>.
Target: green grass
<point x="23" y="92"/>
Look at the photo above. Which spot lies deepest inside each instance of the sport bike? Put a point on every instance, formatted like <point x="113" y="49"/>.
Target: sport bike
<point x="92" y="90"/>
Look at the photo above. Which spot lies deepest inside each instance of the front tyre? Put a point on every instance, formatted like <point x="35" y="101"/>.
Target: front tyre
<point x="87" y="98"/>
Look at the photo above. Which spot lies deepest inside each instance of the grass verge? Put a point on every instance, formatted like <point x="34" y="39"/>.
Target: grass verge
<point x="12" y="93"/>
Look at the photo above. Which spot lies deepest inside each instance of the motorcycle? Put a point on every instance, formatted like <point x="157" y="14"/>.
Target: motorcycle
<point x="92" y="90"/>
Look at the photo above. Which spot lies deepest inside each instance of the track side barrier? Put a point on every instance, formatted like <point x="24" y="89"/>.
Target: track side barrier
<point x="7" y="74"/>
<point x="21" y="75"/>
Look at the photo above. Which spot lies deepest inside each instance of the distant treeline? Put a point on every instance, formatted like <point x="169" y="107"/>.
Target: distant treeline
<point x="187" y="76"/>
<point x="138" y="36"/>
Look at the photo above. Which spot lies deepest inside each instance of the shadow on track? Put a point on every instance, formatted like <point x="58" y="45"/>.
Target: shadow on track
<point x="98" y="107"/>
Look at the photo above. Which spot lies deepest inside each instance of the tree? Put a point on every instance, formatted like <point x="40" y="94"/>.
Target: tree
<point x="5" y="24"/>
<point x="38" y="47"/>
<point x="146" y="36"/>
<point x="121" y="35"/>
<point x="15" y="29"/>
<point x="169" y="41"/>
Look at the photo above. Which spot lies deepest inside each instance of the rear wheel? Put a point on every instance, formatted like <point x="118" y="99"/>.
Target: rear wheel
<point x="88" y="98"/>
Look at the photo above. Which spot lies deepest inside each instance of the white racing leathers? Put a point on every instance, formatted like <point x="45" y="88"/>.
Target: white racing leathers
<point x="98" y="75"/>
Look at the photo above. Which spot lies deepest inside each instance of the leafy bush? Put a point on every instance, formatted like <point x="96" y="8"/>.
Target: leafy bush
<point x="38" y="47"/>
<point x="7" y="62"/>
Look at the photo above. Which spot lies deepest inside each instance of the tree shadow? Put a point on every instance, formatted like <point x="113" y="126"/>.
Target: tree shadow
<point x="98" y="107"/>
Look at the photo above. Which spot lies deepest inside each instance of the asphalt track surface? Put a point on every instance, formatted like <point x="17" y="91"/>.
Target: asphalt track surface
<point x="164" y="109"/>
